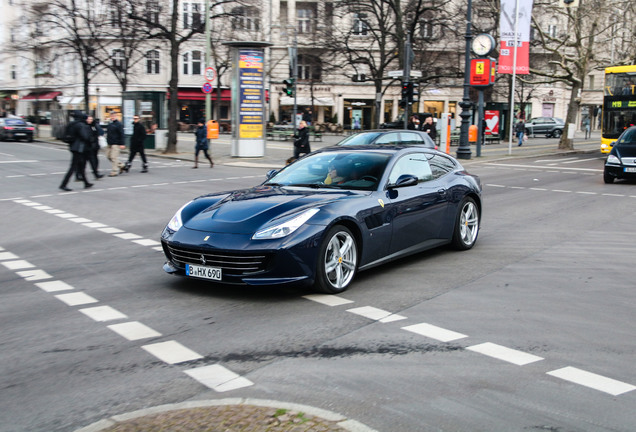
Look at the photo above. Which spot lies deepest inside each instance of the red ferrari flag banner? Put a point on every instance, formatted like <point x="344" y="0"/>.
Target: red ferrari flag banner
<point x="515" y="29"/>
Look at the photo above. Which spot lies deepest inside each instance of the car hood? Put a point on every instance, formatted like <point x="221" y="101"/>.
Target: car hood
<point x="623" y="150"/>
<point x="246" y="211"/>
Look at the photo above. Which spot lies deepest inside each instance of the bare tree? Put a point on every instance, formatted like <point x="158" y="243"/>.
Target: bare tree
<point x="570" y="55"/>
<point x="175" y="33"/>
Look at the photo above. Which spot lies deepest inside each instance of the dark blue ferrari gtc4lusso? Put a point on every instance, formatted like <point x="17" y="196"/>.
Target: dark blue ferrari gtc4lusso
<point x="324" y="217"/>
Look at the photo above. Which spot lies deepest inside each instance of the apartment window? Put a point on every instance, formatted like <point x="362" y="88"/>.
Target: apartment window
<point x="426" y="26"/>
<point x="152" y="12"/>
<point x="245" y="18"/>
<point x="14" y="73"/>
<point x="115" y="15"/>
<point x="306" y="17"/>
<point x="590" y="82"/>
<point x="152" y="62"/>
<point x="309" y="68"/>
<point x="552" y="27"/>
<point x="192" y="63"/>
<point x="119" y="59"/>
<point x="192" y="15"/>
<point x="360" y="26"/>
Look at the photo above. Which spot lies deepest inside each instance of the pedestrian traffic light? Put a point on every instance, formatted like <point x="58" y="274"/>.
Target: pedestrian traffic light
<point x="289" y="86"/>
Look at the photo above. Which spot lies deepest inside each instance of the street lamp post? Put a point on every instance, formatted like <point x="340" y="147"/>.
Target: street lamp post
<point x="463" y="151"/>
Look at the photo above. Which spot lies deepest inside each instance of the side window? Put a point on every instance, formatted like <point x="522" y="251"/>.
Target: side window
<point x="390" y="138"/>
<point x="411" y="138"/>
<point x="440" y="166"/>
<point x="412" y="164"/>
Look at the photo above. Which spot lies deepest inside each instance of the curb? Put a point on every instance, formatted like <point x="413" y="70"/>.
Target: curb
<point x="319" y="414"/>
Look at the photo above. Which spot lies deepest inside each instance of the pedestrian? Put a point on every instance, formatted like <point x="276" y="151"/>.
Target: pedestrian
<point x="115" y="143"/>
<point x="137" y="145"/>
<point x="95" y="132"/>
<point x="301" y="141"/>
<point x="586" y="125"/>
<point x="307" y="117"/>
<point x="201" y="143"/>
<point x="429" y="128"/>
<point x="79" y="136"/>
<point x="520" y="129"/>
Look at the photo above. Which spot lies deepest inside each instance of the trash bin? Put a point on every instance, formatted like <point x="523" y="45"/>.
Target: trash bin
<point x="213" y="129"/>
<point x="161" y="138"/>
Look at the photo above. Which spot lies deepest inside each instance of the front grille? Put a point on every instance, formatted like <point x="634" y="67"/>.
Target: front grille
<point x="229" y="261"/>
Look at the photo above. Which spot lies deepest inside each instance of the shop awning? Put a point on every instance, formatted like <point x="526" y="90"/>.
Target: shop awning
<point x="70" y="100"/>
<point x="46" y="96"/>
<point x="197" y="94"/>
<point x="306" y="101"/>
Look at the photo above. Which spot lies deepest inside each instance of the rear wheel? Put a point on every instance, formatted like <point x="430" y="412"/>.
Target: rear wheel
<point x="607" y="177"/>
<point x="337" y="261"/>
<point x="557" y="133"/>
<point x="466" y="225"/>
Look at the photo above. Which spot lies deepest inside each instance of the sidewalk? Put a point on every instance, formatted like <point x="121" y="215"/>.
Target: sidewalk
<point x="277" y="152"/>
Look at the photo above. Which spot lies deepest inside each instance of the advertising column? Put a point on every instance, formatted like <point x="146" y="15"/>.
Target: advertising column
<point x="248" y="99"/>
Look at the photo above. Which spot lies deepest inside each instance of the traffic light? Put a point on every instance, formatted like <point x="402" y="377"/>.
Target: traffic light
<point x="289" y="86"/>
<point x="407" y="94"/>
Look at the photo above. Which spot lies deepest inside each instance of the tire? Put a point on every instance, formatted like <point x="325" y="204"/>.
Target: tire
<point x="557" y="133"/>
<point x="607" y="177"/>
<point x="337" y="261"/>
<point x="466" y="225"/>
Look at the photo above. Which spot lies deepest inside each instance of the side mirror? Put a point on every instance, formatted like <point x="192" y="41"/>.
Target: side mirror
<point x="271" y="173"/>
<point x="612" y="143"/>
<point x="404" y="180"/>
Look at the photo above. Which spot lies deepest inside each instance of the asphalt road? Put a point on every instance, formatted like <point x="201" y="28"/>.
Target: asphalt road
<point x="533" y="329"/>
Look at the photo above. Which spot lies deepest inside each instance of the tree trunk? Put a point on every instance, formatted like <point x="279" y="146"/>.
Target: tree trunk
<point x="570" y="119"/>
<point x="173" y="103"/>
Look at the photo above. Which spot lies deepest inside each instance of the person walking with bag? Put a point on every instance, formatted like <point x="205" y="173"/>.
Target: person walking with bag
<point x="137" y="145"/>
<point x="201" y="143"/>
<point x="301" y="142"/>
<point x="115" y="143"/>
<point x="79" y="135"/>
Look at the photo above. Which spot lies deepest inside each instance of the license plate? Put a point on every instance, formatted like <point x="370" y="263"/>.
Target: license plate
<point x="630" y="169"/>
<point x="20" y="134"/>
<point x="202" y="272"/>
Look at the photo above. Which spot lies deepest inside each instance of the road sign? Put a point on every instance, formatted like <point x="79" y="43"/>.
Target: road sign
<point x="207" y="87"/>
<point x="400" y="73"/>
<point x="210" y="73"/>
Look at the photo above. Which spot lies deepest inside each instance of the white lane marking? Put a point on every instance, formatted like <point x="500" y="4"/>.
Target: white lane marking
<point x="147" y="242"/>
<point x="34" y="275"/>
<point x="8" y="256"/>
<point x="592" y="380"/>
<point x="53" y="286"/>
<point x="54" y="211"/>
<point x="17" y="265"/>
<point x="434" y="332"/>
<point x="376" y="314"/>
<point x="158" y="248"/>
<point x="326" y="299"/>
<point x="128" y="236"/>
<point x="66" y="215"/>
<point x="95" y="225"/>
<point x="509" y="355"/>
<point x="171" y="352"/>
<point x="543" y="167"/>
<point x="134" y="330"/>
<point x="103" y="313"/>
<point x="218" y="378"/>
<point x="561" y="191"/>
<point x="111" y="230"/>
<point x="43" y="207"/>
<point x="75" y="299"/>
<point x="80" y="220"/>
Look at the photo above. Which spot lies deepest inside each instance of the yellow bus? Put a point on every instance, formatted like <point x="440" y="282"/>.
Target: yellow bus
<point x="619" y="103"/>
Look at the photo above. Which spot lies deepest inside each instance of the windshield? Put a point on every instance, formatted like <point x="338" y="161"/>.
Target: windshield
<point x="338" y="170"/>
<point x="363" y="138"/>
<point x="628" y="138"/>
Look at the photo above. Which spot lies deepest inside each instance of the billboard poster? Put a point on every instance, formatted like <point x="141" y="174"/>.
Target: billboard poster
<point x="492" y="122"/>
<point x="251" y="93"/>
<point x="511" y="19"/>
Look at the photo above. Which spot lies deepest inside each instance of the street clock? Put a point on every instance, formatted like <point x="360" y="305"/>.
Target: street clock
<point x="483" y="44"/>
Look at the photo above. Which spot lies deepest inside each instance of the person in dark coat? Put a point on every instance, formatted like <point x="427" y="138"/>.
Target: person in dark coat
<point x="430" y="128"/>
<point x="96" y="132"/>
<point x="115" y="142"/>
<point x="201" y="143"/>
<point x="301" y="141"/>
<point x="137" y="145"/>
<point x="79" y="147"/>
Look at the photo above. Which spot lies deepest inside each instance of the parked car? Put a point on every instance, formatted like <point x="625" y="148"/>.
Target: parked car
<point x="15" y="129"/>
<point x="621" y="161"/>
<point x="548" y="126"/>
<point x="326" y="216"/>
<point x="399" y="122"/>
<point x="389" y="137"/>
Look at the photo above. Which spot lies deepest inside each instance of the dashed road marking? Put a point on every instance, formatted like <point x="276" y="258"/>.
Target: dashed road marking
<point x="103" y="313"/>
<point x="434" y="332"/>
<point x="134" y="330"/>
<point x="509" y="355"/>
<point x="54" y="286"/>
<point x="592" y="380"/>
<point x="172" y="352"/>
<point x="17" y="265"/>
<point x="326" y="299"/>
<point x="376" y="314"/>
<point x="218" y="378"/>
<point x="76" y="298"/>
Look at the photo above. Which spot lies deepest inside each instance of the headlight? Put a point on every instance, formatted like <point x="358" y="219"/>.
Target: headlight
<point x="285" y="228"/>
<point x="611" y="159"/>
<point x="176" y="222"/>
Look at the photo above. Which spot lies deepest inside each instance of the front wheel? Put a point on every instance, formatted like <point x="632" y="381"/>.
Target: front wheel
<point x="607" y="177"/>
<point x="466" y="225"/>
<point x="337" y="261"/>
